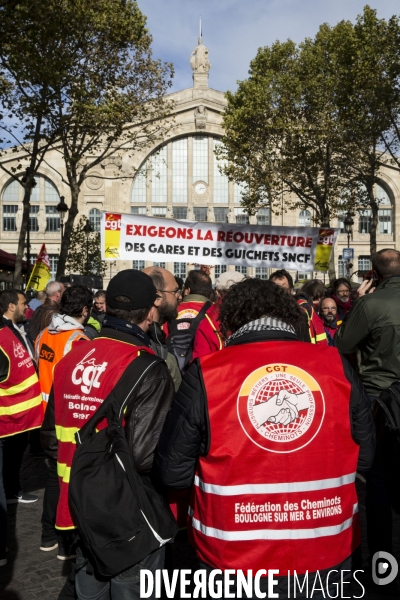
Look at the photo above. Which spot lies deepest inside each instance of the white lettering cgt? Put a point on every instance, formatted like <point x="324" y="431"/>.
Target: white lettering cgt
<point x="87" y="373"/>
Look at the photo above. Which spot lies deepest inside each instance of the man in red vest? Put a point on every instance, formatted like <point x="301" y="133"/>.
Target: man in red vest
<point x="82" y="381"/>
<point x="20" y="398"/>
<point x="270" y="431"/>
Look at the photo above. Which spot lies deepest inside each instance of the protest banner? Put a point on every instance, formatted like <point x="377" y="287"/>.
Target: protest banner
<point x="137" y="237"/>
<point x="41" y="274"/>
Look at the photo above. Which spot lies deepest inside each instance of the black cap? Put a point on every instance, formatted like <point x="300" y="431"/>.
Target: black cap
<point x="135" y="285"/>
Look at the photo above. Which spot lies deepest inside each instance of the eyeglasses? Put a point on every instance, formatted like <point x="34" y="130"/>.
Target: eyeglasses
<point x="175" y="292"/>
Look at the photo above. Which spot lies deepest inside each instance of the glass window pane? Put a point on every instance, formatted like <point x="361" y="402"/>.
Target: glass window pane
<point x="238" y="190"/>
<point x="159" y="211"/>
<point x="52" y="219"/>
<point x="261" y="272"/>
<point x="180" y="212"/>
<point x="33" y="222"/>
<point x="159" y="264"/>
<point x="180" y="170"/>
<point x="221" y="214"/>
<point x="220" y="180"/>
<point x="342" y="272"/>
<point x="264" y="216"/>
<point x="180" y="270"/>
<point x="53" y="258"/>
<point x="139" y="187"/>
<point x="9" y="221"/>
<point x="159" y="175"/>
<point x="382" y="196"/>
<point x="364" y="223"/>
<point x="242" y="218"/>
<point x="11" y="192"/>
<point x="200" y="213"/>
<point x="219" y="269"/>
<point x="305" y="218"/>
<point x="95" y="219"/>
<point x="138" y="265"/>
<point x="200" y="158"/>
<point x="385" y="220"/>
<point x="35" y="194"/>
<point x="50" y="191"/>
<point x="242" y="270"/>
<point x="138" y="210"/>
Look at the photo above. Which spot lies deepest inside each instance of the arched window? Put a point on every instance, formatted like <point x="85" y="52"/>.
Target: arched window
<point x="384" y="213"/>
<point x="44" y="194"/>
<point x="95" y="219"/>
<point x="185" y="171"/>
<point x="305" y="218"/>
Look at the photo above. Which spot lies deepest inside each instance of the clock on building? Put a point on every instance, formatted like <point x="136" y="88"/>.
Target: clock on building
<point x="200" y="188"/>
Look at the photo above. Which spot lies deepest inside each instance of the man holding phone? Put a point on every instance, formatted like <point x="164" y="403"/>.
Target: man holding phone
<point x="372" y="329"/>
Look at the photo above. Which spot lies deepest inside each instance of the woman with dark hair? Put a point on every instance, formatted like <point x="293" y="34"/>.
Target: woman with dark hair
<point x="265" y="424"/>
<point x="341" y="293"/>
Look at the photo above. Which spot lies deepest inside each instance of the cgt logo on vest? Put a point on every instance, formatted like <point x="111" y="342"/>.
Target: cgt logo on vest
<point x="87" y="373"/>
<point x="280" y="408"/>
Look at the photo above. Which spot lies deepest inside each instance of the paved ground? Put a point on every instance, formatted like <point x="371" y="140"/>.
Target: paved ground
<point x="32" y="574"/>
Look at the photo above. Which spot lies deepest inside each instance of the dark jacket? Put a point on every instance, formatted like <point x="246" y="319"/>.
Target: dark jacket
<point x="185" y="435"/>
<point x="159" y="345"/>
<point x="41" y="318"/>
<point x="372" y="329"/>
<point x="146" y="409"/>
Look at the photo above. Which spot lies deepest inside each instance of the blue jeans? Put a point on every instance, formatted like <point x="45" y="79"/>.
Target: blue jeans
<point x="125" y="586"/>
<point x="3" y="509"/>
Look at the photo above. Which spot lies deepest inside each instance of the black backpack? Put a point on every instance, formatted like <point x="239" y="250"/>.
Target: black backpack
<point x="120" y="516"/>
<point x="181" y="337"/>
<point x="387" y="421"/>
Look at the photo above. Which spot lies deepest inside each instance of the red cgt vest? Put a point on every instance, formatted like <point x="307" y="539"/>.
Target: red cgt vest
<point x="82" y="381"/>
<point x="276" y="489"/>
<point x="20" y="397"/>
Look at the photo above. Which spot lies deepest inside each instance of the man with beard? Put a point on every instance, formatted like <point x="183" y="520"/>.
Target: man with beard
<point x="166" y="305"/>
<point x="329" y="315"/>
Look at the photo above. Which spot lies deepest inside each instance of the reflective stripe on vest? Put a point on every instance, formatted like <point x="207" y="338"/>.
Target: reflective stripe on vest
<point x="281" y="464"/>
<point x="216" y="331"/>
<point x="82" y="381"/>
<point x="20" y="398"/>
<point x="273" y="534"/>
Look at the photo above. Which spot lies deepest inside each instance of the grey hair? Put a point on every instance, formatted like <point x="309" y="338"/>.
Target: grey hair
<point x="52" y="288"/>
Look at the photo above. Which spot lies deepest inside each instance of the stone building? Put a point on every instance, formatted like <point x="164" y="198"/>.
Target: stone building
<point x="179" y="178"/>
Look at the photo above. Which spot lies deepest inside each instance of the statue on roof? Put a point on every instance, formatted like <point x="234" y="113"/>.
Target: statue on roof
<point x="199" y="58"/>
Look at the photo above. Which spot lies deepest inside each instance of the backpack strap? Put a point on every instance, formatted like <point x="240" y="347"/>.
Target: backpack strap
<point x="113" y="406"/>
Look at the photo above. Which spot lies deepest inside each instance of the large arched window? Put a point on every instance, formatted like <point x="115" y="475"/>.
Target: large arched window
<point x="184" y="171"/>
<point x="44" y="195"/>
<point x="384" y="213"/>
<point x="95" y="219"/>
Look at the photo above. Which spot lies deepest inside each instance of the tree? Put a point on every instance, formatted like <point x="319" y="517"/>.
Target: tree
<point x="82" y="92"/>
<point x="84" y="255"/>
<point x="114" y="101"/>
<point x="367" y="95"/>
<point x="282" y="134"/>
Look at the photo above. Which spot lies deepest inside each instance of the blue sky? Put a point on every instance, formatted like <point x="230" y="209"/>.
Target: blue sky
<point x="233" y="30"/>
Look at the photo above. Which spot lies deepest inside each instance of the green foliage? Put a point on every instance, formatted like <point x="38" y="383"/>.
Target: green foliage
<point x="84" y="254"/>
<point x="308" y="127"/>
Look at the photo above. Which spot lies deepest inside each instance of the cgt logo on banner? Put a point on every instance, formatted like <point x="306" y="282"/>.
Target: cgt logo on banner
<point x="87" y="373"/>
<point x="133" y="237"/>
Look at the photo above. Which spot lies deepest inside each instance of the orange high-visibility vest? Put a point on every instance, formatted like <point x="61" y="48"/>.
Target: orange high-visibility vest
<point x="20" y="398"/>
<point x="50" y="348"/>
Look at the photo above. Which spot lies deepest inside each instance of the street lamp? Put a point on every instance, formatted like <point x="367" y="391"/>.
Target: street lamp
<point x="62" y="209"/>
<point x="88" y="230"/>
<point x="348" y="227"/>
<point x="24" y="179"/>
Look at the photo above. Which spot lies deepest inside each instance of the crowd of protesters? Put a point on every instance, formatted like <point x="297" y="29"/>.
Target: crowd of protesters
<point x="215" y="448"/>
